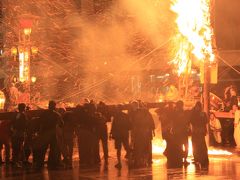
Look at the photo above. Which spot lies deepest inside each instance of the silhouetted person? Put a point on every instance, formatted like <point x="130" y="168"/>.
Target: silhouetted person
<point x="120" y="133"/>
<point x="27" y="144"/>
<point x="173" y="151"/>
<point x="142" y="131"/>
<point x="68" y="135"/>
<point x="149" y="134"/>
<point x="96" y="121"/>
<point x="49" y="121"/>
<point x="87" y="140"/>
<point x="79" y="112"/>
<point x="214" y="130"/>
<point x="35" y="140"/>
<point x="19" y="126"/>
<point x="101" y="135"/>
<point x="199" y="122"/>
<point x="166" y="117"/>
<point x="181" y="127"/>
<point x="103" y="131"/>
<point x="5" y="139"/>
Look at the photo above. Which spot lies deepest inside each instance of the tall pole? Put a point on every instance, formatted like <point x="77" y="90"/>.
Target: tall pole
<point x="206" y="84"/>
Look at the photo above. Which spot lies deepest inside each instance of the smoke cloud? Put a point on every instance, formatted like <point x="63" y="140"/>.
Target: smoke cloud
<point x="99" y="52"/>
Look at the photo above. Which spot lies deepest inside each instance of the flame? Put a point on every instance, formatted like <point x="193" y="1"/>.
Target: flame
<point x="194" y="32"/>
<point x="212" y="151"/>
<point x="159" y="145"/>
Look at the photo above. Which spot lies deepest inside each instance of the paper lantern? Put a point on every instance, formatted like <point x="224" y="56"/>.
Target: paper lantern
<point x="33" y="79"/>
<point x="34" y="50"/>
<point x="14" y="51"/>
<point x="27" y="31"/>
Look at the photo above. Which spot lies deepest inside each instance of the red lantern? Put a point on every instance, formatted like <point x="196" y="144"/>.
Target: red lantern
<point x="25" y="23"/>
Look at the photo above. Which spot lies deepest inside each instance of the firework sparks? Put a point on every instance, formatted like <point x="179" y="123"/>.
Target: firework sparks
<point x="75" y="40"/>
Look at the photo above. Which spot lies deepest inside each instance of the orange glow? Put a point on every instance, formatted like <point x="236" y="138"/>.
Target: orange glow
<point x="14" y="51"/>
<point x="2" y="100"/>
<point x="33" y="79"/>
<point x="194" y="32"/>
<point x="27" y="31"/>
<point x="34" y="50"/>
<point x="190" y="147"/>
<point x="24" y="66"/>
<point x="21" y="66"/>
<point x="212" y="151"/>
<point x="159" y="145"/>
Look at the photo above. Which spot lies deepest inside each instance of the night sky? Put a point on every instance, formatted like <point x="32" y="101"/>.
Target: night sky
<point x="227" y="27"/>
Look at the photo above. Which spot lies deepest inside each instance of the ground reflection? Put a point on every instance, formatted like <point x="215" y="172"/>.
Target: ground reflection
<point x="221" y="167"/>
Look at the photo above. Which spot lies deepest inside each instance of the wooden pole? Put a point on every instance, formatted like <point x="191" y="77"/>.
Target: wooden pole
<point x="206" y="84"/>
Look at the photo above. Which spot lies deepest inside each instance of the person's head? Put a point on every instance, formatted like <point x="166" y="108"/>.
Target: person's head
<point x="179" y="105"/>
<point x="134" y="105"/>
<point x="101" y="106"/>
<point x="101" y="103"/>
<point x="86" y="101"/>
<point x="118" y="108"/>
<point x="61" y="110"/>
<point x="21" y="107"/>
<point x="171" y="106"/>
<point x="198" y="106"/>
<point x="212" y="116"/>
<point x="92" y="107"/>
<point x="233" y="91"/>
<point x="142" y="105"/>
<point x="52" y="105"/>
<point x="234" y="108"/>
<point x="89" y="107"/>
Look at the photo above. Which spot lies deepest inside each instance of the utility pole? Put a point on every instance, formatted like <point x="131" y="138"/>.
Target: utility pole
<point x="206" y="84"/>
<point x="207" y="65"/>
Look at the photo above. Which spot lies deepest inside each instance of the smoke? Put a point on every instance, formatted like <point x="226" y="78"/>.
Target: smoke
<point x="115" y="44"/>
<point x="97" y="51"/>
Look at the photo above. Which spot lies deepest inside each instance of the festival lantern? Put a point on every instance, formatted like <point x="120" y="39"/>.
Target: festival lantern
<point x="26" y="24"/>
<point x="14" y="51"/>
<point x="34" y="50"/>
<point x="27" y="31"/>
<point x="33" y="79"/>
<point x="15" y="79"/>
<point x="2" y="100"/>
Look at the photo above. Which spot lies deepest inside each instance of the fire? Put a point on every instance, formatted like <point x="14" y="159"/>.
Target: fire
<point x="194" y="32"/>
<point x="159" y="145"/>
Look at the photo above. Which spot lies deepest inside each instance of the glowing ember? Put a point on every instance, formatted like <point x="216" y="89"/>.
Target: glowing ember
<point x="194" y="32"/>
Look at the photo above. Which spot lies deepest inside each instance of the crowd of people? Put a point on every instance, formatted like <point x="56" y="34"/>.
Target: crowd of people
<point x="54" y="129"/>
<point x="225" y="131"/>
<point x="177" y="125"/>
<point x="53" y="132"/>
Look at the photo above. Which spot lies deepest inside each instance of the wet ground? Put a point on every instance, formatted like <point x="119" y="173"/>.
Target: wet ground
<point x="221" y="167"/>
